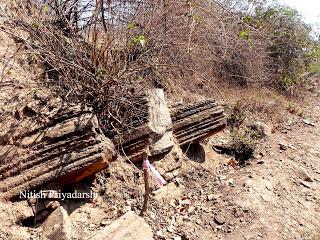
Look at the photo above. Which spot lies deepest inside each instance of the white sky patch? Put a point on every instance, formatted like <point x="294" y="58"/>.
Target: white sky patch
<point x="309" y="9"/>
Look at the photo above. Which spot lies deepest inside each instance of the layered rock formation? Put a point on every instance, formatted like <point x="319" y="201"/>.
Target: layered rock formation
<point x="67" y="149"/>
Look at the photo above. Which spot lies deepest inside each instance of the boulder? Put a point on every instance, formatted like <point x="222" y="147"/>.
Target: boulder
<point x="128" y="227"/>
<point x="58" y="225"/>
<point x="262" y="129"/>
<point x="66" y="149"/>
<point x="168" y="192"/>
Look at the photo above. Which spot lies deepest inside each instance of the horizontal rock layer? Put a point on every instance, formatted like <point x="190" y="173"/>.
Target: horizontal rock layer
<point x="67" y="149"/>
<point x="195" y="122"/>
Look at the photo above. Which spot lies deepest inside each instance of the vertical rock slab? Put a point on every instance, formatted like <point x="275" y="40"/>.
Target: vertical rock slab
<point x="149" y="132"/>
<point x="160" y="123"/>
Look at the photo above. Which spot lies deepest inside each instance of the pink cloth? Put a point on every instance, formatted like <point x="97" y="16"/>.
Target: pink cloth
<point x="147" y="166"/>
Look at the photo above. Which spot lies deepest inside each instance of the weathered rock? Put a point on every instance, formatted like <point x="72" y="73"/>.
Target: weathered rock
<point x="128" y="227"/>
<point x="262" y="129"/>
<point x="149" y="131"/>
<point x="67" y="149"/>
<point x="219" y="219"/>
<point x="151" y="134"/>
<point x="160" y="123"/>
<point x="24" y="211"/>
<point x="195" y="122"/>
<point x="283" y="146"/>
<point x="168" y="192"/>
<point x="58" y="225"/>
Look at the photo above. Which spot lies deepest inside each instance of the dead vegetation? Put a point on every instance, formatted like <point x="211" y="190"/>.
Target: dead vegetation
<point x="100" y="52"/>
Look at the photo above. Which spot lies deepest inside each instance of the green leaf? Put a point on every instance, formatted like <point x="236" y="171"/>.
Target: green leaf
<point x="46" y="8"/>
<point x="140" y="39"/>
<point x="189" y="50"/>
<point x="131" y="26"/>
<point x="244" y="34"/>
<point x="35" y="26"/>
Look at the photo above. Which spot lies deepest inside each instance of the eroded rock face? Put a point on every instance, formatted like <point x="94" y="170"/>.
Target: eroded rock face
<point x="128" y="227"/>
<point x="67" y="148"/>
<point x="58" y="225"/>
<point x="195" y="122"/>
<point x="150" y="131"/>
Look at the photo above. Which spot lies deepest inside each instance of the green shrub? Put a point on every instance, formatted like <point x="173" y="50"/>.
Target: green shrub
<point x="243" y="145"/>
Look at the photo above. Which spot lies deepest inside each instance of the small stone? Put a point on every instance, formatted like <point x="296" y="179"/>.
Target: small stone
<point x="269" y="186"/>
<point x="105" y="222"/>
<point x="292" y="147"/>
<point x="231" y="182"/>
<point x="191" y="209"/>
<point x="257" y="156"/>
<point x="199" y="222"/>
<point x="210" y="197"/>
<point x="308" y="122"/>
<point x="222" y="177"/>
<point x="283" y="146"/>
<point x="160" y="234"/>
<point x="305" y="184"/>
<point x="306" y="176"/>
<point x="219" y="219"/>
<point x="57" y="225"/>
<point x="177" y="238"/>
<point x="171" y="229"/>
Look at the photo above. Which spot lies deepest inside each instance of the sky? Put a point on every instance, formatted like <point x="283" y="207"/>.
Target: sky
<point x="310" y="9"/>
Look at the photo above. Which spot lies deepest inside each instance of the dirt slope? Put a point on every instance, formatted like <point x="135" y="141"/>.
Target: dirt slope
<point x="283" y="207"/>
<point x="273" y="197"/>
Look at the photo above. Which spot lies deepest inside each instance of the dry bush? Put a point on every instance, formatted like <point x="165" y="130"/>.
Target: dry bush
<point x="102" y="52"/>
<point x="83" y="69"/>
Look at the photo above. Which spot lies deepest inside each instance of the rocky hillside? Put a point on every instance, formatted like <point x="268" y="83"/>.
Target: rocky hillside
<point x="242" y="167"/>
